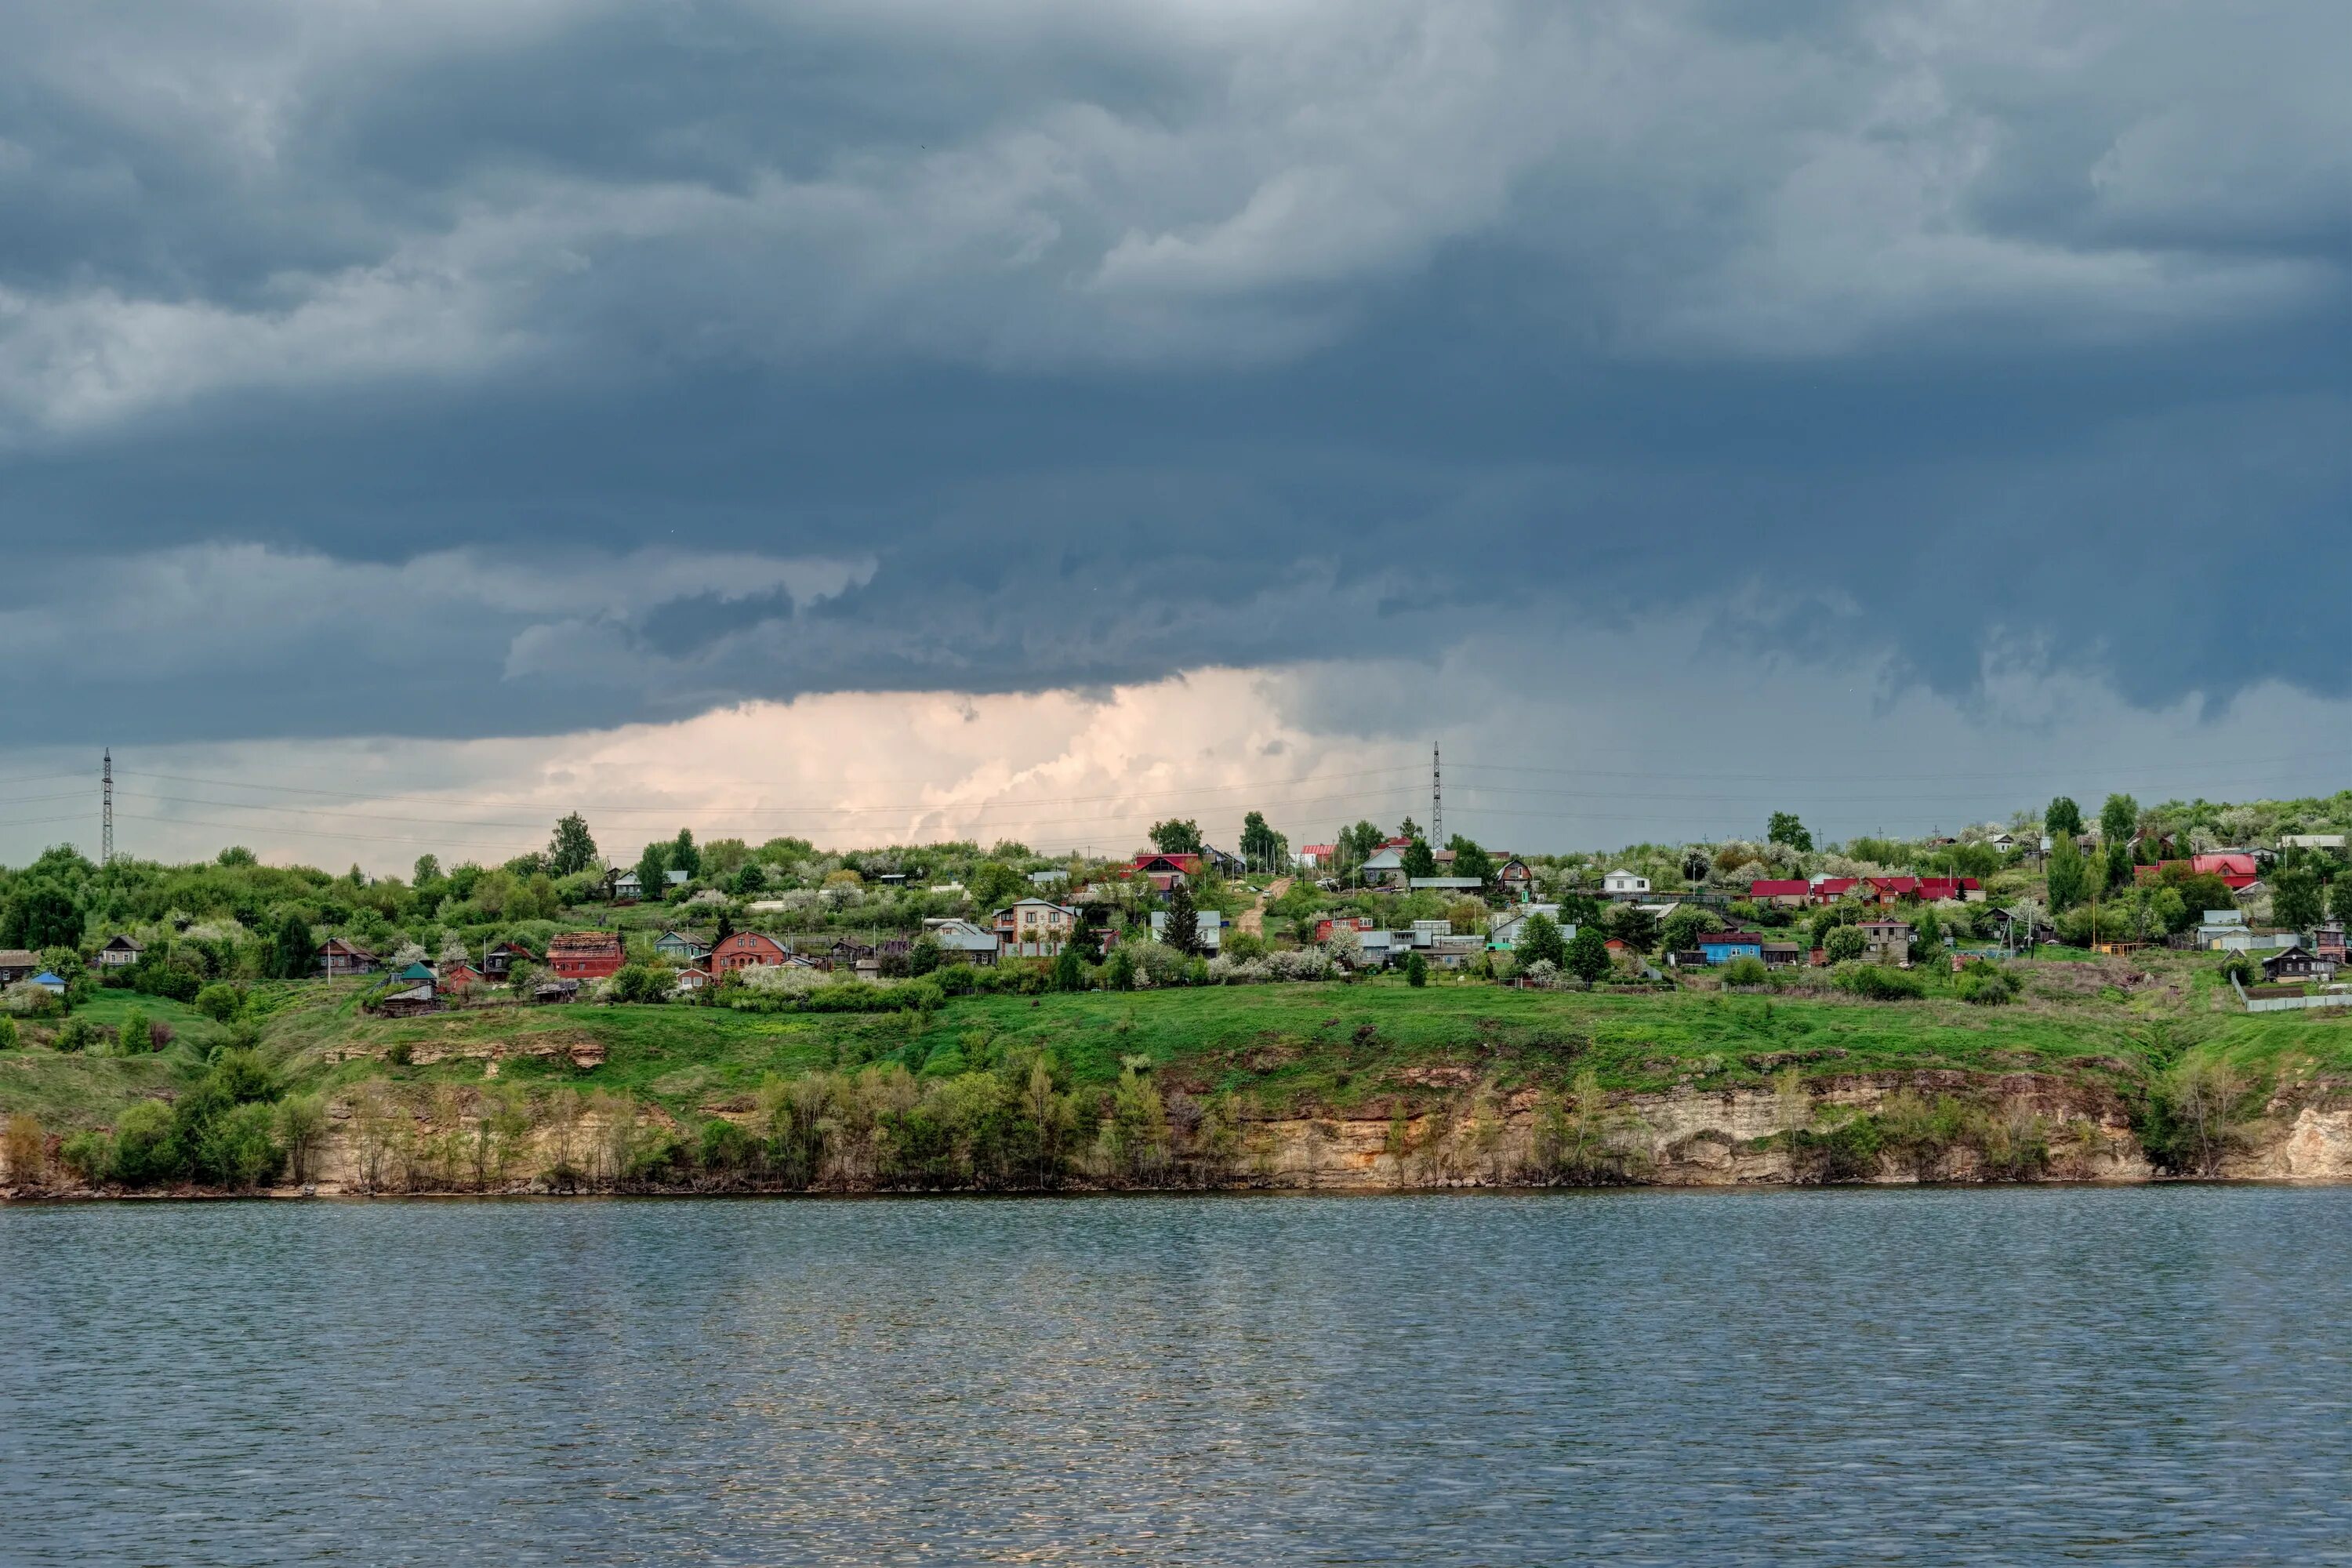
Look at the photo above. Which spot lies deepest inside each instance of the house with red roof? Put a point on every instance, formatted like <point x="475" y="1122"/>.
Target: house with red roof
<point x="1315" y="856"/>
<point x="1167" y="870"/>
<point x="747" y="950"/>
<point x="586" y="954"/>
<point x="1789" y="892"/>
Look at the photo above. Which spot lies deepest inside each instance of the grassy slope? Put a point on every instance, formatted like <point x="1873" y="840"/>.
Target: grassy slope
<point x="1327" y="1044"/>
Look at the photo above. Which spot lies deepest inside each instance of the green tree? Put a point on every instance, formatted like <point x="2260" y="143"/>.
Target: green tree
<point x="427" y="870"/>
<point x="1588" y="955"/>
<point x="571" y="850"/>
<point x="683" y="855"/>
<point x="1120" y="971"/>
<point x="2070" y="881"/>
<point x="2064" y="819"/>
<point x="302" y="1132"/>
<point x="42" y="915"/>
<point x="1786" y="829"/>
<point x="1469" y="861"/>
<point x="1843" y="944"/>
<point x="2339" y="901"/>
<point x="1682" y="930"/>
<point x="135" y="1037"/>
<point x="1418" y="858"/>
<point x="144" y="1148"/>
<point x="1416" y="969"/>
<point x="653" y="871"/>
<point x="1182" y="930"/>
<point x="1636" y="927"/>
<point x="1177" y="837"/>
<point x="1069" y="969"/>
<point x="2118" y="817"/>
<point x="2296" y="901"/>
<point x="2118" y="864"/>
<point x="1539" y="940"/>
<point x="292" y="954"/>
<point x="1578" y="907"/>
<point x="750" y="881"/>
<point x="1263" y="848"/>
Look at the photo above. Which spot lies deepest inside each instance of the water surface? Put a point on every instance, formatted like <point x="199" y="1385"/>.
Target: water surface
<point x="1933" y="1376"/>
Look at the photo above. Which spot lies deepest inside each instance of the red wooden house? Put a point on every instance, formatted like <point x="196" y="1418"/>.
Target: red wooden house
<point x="746" y="950"/>
<point x="1167" y="870"/>
<point x="586" y="954"/>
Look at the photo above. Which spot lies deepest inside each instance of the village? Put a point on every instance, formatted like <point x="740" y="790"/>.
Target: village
<point x="724" y="923"/>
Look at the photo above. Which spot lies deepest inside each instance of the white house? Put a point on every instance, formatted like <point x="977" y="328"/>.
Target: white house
<point x="1211" y="929"/>
<point x="1386" y="866"/>
<point x="1623" y="884"/>
<point x="1504" y="929"/>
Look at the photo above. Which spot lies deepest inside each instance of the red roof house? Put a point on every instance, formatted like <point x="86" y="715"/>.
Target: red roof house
<point x="745" y="949"/>
<point x="1781" y="890"/>
<point x="1829" y="890"/>
<point x="1166" y="870"/>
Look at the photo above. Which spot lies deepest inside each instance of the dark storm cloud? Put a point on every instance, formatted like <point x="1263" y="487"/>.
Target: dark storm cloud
<point x="544" y="365"/>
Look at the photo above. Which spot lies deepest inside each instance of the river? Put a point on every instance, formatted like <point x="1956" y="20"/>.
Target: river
<point x="2011" y="1375"/>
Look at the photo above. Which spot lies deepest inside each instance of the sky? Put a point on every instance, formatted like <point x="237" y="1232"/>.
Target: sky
<point x="903" y="418"/>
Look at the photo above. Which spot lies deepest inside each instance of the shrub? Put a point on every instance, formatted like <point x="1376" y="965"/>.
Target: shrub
<point x="132" y="1036"/>
<point x="7" y="1032"/>
<point x="80" y="1034"/>
<point x="1880" y="983"/>
<point x="1745" y="971"/>
<point x="639" y="983"/>
<point x="1416" y="969"/>
<point x="1986" y="986"/>
<point x="220" y="1002"/>
<point x="144" y="1148"/>
<point x="160" y="1034"/>
<point x="1843" y="944"/>
<point x="89" y="1157"/>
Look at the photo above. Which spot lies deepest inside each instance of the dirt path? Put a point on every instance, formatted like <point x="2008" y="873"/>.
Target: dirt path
<point x="1253" y="920"/>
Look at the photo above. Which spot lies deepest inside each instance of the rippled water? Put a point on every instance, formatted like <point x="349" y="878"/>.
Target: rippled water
<point x="1935" y="1376"/>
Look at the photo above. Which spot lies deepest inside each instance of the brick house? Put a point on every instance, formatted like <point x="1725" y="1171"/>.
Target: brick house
<point x="586" y="954"/>
<point x="1889" y="940"/>
<point x="1039" y="928"/>
<point x="746" y="950"/>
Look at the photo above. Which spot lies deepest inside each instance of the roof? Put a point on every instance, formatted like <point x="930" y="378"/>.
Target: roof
<point x="1319" y="849"/>
<point x="1170" y="862"/>
<point x="18" y="958"/>
<point x="129" y="942"/>
<point x="1447" y="883"/>
<point x="1779" y="887"/>
<point x="415" y="972"/>
<point x="347" y="944"/>
<point x="1730" y="939"/>
<point x="596" y="941"/>
<point x="49" y="977"/>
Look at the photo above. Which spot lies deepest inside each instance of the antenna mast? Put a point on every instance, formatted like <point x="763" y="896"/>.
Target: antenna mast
<point x="1436" y="800"/>
<point x="105" y="811"/>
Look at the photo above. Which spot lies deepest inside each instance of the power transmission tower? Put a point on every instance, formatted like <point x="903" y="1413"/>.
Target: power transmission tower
<point x="105" y="811"/>
<point x="1436" y="800"/>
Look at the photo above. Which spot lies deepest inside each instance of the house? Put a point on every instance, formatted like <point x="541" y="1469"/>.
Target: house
<point x="2327" y="841"/>
<point x="1623" y="884"/>
<point x="1788" y="893"/>
<point x="2003" y="842"/>
<point x="1426" y="933"/>
<point x="1514" y="881"/>
<point x="1374" y="948"/>
<point x="1330" y="923"/>
<point x="627" y="888"/>
<point x="681" y="949"/>
<point x="1454" y="952"/>
<point x="1445" y="884"/>
<point x="1316" y="855"/>
<point x="1783" y="954"/>
<point x="1504" y="929"/>
<point x="1210" y="924"/>
<point x="1223" y="864"/>
<point x="676" y="878"/>
<point x="745" y="949"/>
<point x="1050" y="877"/>
<point x="2289" y="965"/>
<point x="1723" y="946"/>
<point x="690" y="981"/>
<point x="47" y="980"/>
<point x="338" y="956"/>
<point x="552" y="991"/>
<point x="499" y="962"/>
<point x="1830" y="890"/>
<point x="120" y="951"/>
<point x="1040" y="928"/>
<point x="586" y="954"/>
<point x="962" y="939"/>
<point x="1167" y="870"/>
<point x="2233" y="867"/>
<point x="1950" y="890"/>
<point x="459" y="978"/>
<point x="2327" y="941"/>
<point x="17" y="963"/>
<point x="406" y="1000"/>
<point x="1385" y="864"/>
<point x="1889" y="940"/>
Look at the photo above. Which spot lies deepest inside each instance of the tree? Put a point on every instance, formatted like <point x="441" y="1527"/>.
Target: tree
<point x="1176" y="837"/>
<point x="292" y="954"/>
<point x="2064" y="819"/>
<point x="683" y="855"/>
<point x="571" y="850"/>
<point x="653" y="871"/>
<point x="1786" y="829"/>
<point x="2339" y="901"/>
<point x="427" y="870"/>
<point x="133" y="1037"/>
<point x="1356" y="844"/>
<point x="1416" y="969"/>
<point x="1843" y="944"/>
<point x="1587" y="955"/>
<point x="1540" y="939"/>
<point x="41" y="916"/>
<point x="1419" y="859"/>
<point x="1120" y="971"/>
<point x="2118" y="817"/>
<point x="1181" y="931"/>
<point x="1263" y="848"/>
<point x="2069" y="881"/>
<point x="1682" y="930"/>
<point x="1469" y="861"/>
<point x="2118" y="864"/>
<point x="2295" y="900"/>
<point x="749" y="879"/>
<point x="1407" y="829"/>
<point x="1069" y="969"/>
<point x="1578" y="907"/>
<point x="1636" y="927"/>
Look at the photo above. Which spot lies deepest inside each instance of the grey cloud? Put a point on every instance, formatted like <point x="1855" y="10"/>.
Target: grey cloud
<point x="1112" y="340"/>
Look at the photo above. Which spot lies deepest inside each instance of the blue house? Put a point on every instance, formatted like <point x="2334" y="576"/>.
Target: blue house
<point x="1723" y="946"/>
<point x="47" y="981"/>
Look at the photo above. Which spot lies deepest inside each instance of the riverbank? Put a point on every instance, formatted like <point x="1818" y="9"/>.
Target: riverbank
<point x="2102" y="1071"/>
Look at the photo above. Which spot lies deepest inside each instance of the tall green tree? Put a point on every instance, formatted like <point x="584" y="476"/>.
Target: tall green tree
<point x="1469" y="861"/>
<point x="2070" y="881"/>
<point x="683" y="855"/>
<point x="1418" y="858"/>
<point x="1588" y="955"/>
<point x="427" y="870"/>
<point x="2118" y="817"/>
<point x="2118" y="863"/>
<point x="1182" y="930"/>
<point x="1786" y="829"/>
<point x="292" y="954"/>
<point x="653" y="869"/>
<point x="1539" y="939"/>
<point x="1176" y="837"/>
<point x="42" y="915"/>
<point x="571" y="850"/>
<point x="1636" y="927"/>
<point x="2295" y="900"/>
<point x="2064" y="819"/>
<point x="1263" y="848"/>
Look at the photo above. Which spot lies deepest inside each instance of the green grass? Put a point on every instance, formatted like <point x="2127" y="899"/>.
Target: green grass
<point x="1291" y="1046"/>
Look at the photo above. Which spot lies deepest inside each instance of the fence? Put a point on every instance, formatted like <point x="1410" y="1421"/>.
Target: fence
<point x="2290" y="1003"/>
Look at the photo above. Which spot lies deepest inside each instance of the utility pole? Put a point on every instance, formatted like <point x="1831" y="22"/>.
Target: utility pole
<point x="105" y="811"/>
<point x="1436" y="800"/>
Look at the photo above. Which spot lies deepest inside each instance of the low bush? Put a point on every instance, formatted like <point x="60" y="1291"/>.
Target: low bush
<point x="1986" y="986"/>
<point x="1880" y="983"/>
<point x="1747" y="971"/>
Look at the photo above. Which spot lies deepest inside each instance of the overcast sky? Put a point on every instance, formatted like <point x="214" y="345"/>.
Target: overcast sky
<point x="902" y="416"/>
